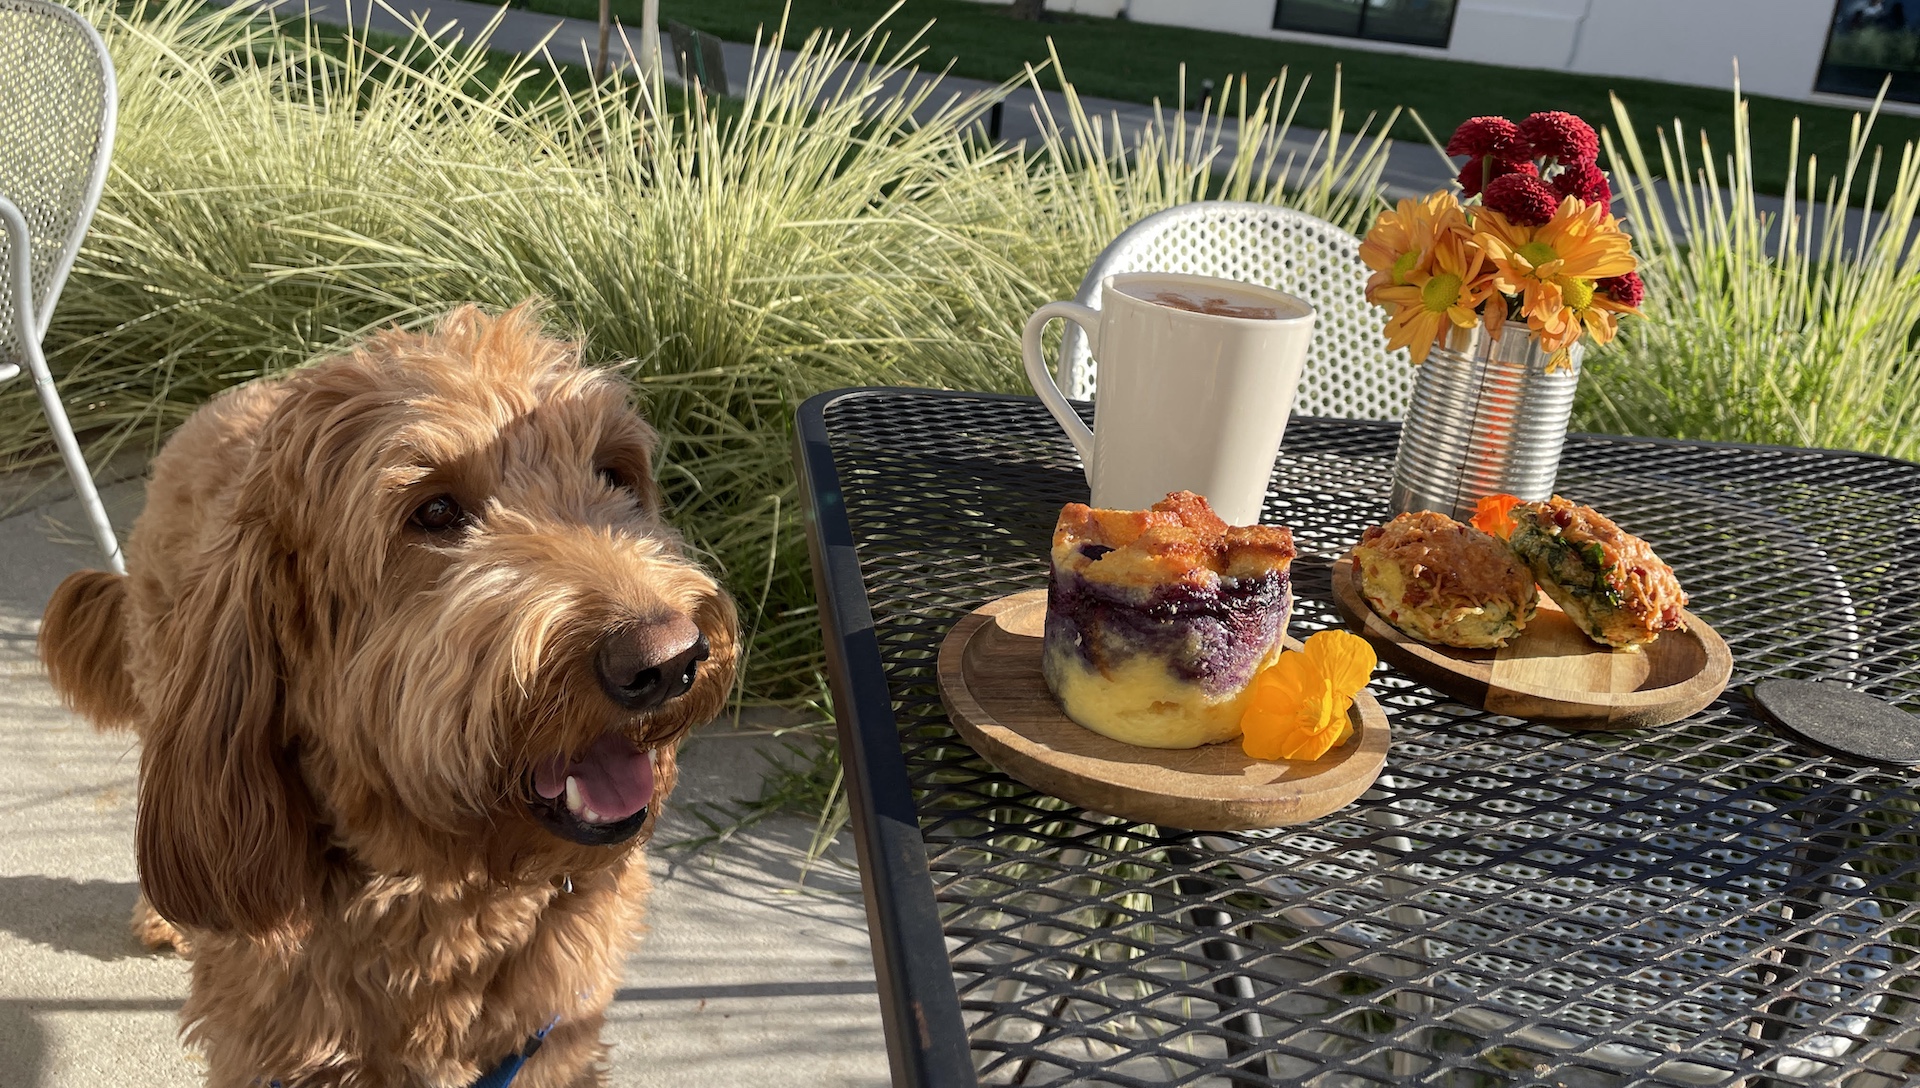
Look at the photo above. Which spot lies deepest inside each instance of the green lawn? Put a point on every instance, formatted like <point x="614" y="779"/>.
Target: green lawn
<point x="1139" y="62"/>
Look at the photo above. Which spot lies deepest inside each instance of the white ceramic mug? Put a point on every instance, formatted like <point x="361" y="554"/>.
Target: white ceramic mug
<point x="1189" y="399"/>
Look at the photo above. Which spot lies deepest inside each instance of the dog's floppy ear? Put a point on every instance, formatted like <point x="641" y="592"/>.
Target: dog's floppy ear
<point x="228" y="836"/>
<point x="83" y="640"/>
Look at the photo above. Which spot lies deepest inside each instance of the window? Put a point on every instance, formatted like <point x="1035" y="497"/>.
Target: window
<point x="1416" y="22"/>
<point x="1868" y="41"/>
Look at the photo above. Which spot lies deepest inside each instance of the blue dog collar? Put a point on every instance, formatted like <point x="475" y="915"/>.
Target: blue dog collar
<point x="502" y="1075"/>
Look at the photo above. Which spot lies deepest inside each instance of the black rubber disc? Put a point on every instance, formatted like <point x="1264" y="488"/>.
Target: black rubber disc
<point x="1841" y="719"/>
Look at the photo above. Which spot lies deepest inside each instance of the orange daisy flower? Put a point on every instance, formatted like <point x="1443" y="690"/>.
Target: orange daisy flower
<point x="1580" y="242"/>
<point x="1585" y="311"/>
<point x="1400" y="245"/>
<point x="1614" y="310"/>
<point x="1447" y="295"/>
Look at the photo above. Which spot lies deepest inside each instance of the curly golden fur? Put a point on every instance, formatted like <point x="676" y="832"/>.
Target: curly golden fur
<point x="345" y="705"/>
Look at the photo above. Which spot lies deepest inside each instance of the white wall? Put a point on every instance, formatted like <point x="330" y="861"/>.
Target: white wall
<point x="1521" y="33"/>
<point x="1253" y="17"/>
<point x="1778" y="42"/>
<point x="1105" y="9"/>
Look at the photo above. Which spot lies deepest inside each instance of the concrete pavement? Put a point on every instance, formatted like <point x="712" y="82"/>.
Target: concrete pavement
<point x="745" y="973"/>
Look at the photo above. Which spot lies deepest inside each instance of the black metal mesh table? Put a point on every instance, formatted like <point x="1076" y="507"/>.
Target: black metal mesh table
<point x="1711" y="902"/>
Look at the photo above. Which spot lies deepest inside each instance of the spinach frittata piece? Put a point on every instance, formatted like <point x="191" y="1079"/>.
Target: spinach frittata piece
<point x="1607" y="580"/>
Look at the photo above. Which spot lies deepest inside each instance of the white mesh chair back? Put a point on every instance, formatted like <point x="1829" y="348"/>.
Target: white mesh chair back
<point x="57" y="104"/>
<point x="56" y="132"/>
<point x="1349" y="373"/>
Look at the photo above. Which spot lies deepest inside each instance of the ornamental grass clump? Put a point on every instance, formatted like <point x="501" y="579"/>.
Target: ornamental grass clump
<point x="1793" y="327"/>
<point x="1535" y="242"/>
<point x="277" y="191"/>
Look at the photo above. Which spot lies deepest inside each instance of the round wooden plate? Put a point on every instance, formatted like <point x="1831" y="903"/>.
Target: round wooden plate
<point x="1553" y="672"/>
<point x="990" y="680"/>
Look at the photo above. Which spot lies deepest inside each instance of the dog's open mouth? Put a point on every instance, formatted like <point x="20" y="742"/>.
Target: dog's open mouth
<point x="598" y="797"/>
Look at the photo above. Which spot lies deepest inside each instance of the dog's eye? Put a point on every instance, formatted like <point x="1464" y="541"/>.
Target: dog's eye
<point x="438" y="514"/>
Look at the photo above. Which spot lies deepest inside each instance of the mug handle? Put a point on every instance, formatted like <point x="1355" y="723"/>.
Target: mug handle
<point x="1042" y="382"/>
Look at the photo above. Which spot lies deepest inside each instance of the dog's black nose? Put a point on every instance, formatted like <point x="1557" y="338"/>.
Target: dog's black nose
<point x="644" y="665"/>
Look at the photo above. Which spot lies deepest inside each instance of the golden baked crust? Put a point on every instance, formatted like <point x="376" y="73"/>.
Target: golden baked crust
<point x="1180" y="539"/>
<point x="1441" y="581"/>
<point x="1606" y="579"/>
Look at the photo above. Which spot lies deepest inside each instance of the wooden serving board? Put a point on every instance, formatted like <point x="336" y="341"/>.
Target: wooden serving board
<point x="990" y="679"/>
<point x="1553" y="672"/>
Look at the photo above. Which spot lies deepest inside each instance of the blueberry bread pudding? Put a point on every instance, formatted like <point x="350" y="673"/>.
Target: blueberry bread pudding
<point x="1443" y="582"/>
<point x="1158" y="619"/>
<point x="1607" y="580"/>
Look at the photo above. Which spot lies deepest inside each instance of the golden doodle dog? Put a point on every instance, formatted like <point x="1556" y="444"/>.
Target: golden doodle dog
<point x="409" y="650"/>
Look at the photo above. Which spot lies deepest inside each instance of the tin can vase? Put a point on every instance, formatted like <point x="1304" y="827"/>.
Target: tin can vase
<point x="1487" y="417"/>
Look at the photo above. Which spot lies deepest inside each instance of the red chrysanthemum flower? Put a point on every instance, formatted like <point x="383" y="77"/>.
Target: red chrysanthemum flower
<point x="1584" y="182"/>
<point x="1479" y="169"/>
<point x="1522" y="198"/>
<point x="1558" y="135"/>
<point x="1494" y="136"/>
<point x="1627" y="290"/>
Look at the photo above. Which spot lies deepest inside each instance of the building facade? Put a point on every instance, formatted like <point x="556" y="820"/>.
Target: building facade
<point x="1834" y="52"/>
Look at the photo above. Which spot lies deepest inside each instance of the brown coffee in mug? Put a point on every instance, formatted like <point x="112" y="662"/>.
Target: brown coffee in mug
<point x="1218" y="304"/>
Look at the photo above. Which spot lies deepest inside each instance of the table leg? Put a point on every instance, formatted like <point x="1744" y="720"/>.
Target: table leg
<point x="1237" y="989"/>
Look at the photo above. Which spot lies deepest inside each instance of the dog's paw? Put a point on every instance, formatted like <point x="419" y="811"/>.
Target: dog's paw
<point x="156" y="933"/>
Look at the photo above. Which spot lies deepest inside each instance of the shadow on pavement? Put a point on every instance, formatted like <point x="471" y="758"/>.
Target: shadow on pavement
<point x="22" y="1047"/>
<point x="90" y="917"/>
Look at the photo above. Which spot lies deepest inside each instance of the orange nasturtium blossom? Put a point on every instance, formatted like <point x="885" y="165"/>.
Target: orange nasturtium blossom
<point x="1298" y="706"/>
<point x="1581" y="243"/>
<point x="1401" y="241"/>
<point x="1448" y="295"/>
<point x="1493" y="515"/>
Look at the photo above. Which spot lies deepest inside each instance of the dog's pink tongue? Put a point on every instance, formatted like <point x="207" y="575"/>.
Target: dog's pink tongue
<point x="616" y="779"/>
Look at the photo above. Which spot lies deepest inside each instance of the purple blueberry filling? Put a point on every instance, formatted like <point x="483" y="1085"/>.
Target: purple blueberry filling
<point x="1211" y="636"/>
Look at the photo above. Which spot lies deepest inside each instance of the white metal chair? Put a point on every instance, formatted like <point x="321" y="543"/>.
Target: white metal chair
<point x="57" y="105"/>
<point x="1349" y="374"/>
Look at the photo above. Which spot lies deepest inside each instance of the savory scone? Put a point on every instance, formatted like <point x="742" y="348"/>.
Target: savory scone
<point x="1158" y="619"/>
<point x="1607" y="580"/>
<point x="1441" y="581"/>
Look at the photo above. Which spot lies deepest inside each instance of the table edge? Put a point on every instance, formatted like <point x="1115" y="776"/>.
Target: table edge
<point x="820" y="402"/>
<point x="927" y="1043"/>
